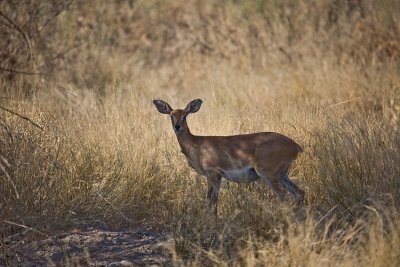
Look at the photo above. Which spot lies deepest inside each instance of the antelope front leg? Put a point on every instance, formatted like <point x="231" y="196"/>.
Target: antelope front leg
<point x="214" y="183"/>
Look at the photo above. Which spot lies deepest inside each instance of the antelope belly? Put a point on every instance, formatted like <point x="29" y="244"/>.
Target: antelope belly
<point x="243" y="175"/>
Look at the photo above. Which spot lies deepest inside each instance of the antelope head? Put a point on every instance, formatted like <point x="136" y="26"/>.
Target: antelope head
<point x="178" y="116"/>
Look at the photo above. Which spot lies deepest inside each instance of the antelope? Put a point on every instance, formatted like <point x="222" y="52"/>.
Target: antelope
<point x="240" y="158"/>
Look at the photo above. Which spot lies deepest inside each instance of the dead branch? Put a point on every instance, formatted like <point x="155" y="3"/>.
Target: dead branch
<point x="20" y="71"/>
<point x="20" y="31"/>
<point x="56" y="14"/>
<point x="22" y="117"/>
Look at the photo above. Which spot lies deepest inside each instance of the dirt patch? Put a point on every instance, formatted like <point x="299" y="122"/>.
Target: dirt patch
<point x="96" y="247"/>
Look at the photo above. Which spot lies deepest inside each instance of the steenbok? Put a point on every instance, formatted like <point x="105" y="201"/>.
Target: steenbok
<point x="240" y="158"/>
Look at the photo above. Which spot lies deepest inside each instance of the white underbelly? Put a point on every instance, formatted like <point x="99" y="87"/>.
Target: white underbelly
<point x="243" y="175"/>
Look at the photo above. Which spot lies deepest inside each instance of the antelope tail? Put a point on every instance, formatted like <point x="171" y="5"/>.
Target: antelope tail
<point x="299" y="148"/>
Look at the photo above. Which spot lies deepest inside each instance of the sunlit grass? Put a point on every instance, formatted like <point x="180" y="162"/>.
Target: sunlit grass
<point x="114" y="160"/>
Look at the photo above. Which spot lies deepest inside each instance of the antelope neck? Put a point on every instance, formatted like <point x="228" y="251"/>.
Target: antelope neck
<point x="185" y="140"/>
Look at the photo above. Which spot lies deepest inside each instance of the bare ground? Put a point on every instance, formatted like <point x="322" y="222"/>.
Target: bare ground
<point x="94" y="247"/>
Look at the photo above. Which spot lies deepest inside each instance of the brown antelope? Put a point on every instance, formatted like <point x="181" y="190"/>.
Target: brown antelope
<point x="240" y="158"/>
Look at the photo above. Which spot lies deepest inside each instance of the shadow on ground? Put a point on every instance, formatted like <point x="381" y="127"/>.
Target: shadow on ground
<point x="95" y="247"/>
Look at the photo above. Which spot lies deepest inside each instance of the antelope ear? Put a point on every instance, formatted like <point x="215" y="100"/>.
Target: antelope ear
<point x="194" y="106"/>
<point x="162" y="106"/>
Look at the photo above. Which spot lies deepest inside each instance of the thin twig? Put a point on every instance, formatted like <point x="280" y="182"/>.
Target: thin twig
<point x="20" y="71"/>
<point x="56" y="14"/>
<point x="28" y="43"/>
<point x="344" y="102"/>
<point x="10" y="180"/>
<point x="326" y="215"/>
<point x="63" y="53"/>
<point x="378" y="215"/>
<point x="115" y="208"/>
<point x="22" y="117"/>
<point x="5" y="126"/>
<point x="26" y="227"/>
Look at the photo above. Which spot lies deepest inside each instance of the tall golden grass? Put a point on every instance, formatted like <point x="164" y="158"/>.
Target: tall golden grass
<point x="106" y="157"/>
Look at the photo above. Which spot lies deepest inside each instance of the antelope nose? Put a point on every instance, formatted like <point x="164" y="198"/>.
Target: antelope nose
<point x="177" y="127"/>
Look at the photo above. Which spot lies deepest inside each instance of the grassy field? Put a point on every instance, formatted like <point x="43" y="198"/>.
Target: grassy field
<point x="325" y="73"/>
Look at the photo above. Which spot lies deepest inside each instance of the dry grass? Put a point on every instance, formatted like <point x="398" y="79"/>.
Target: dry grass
<point x="107" y="157"/>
